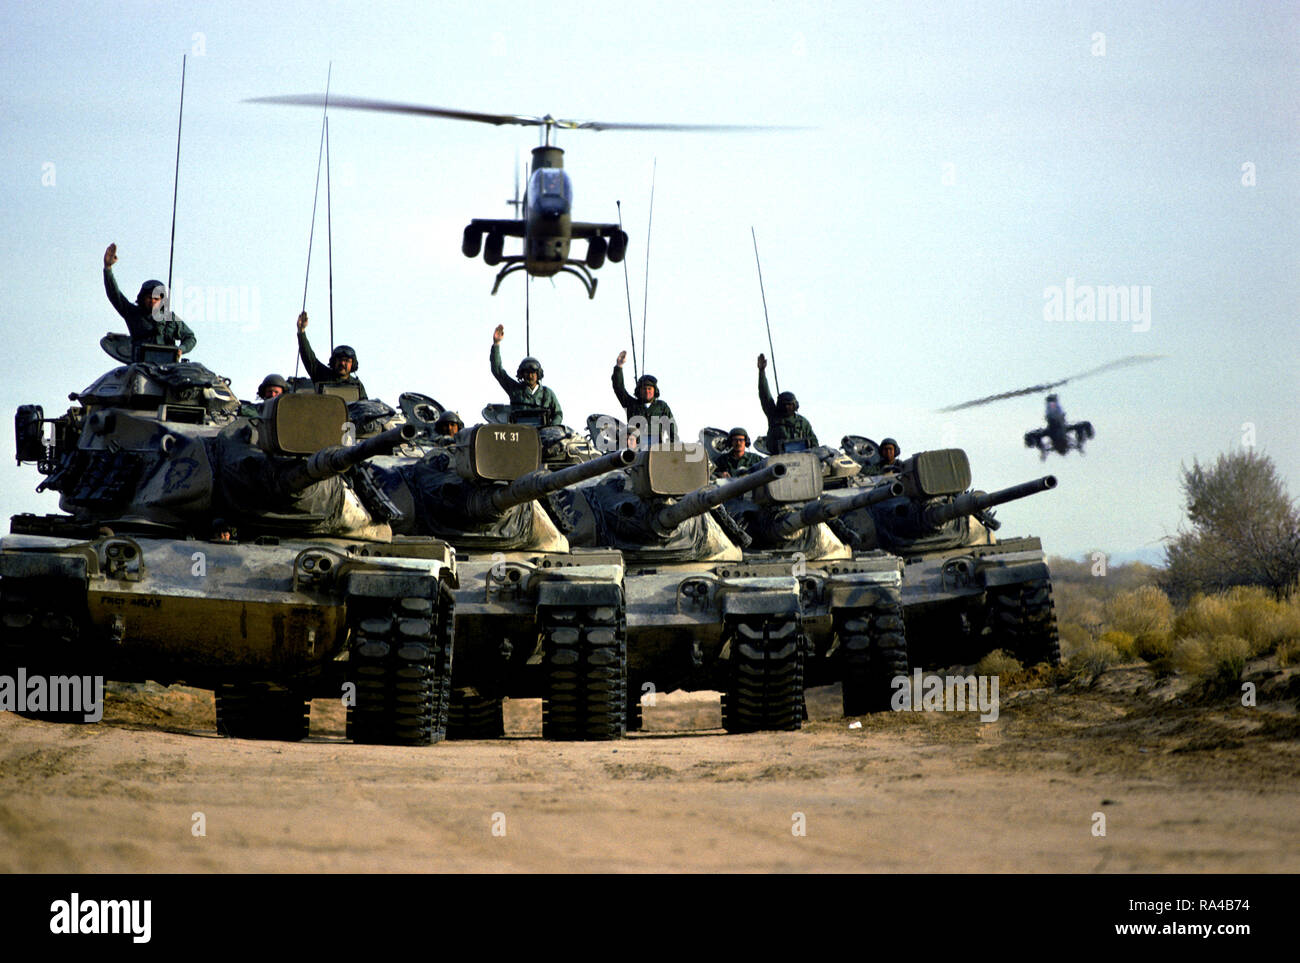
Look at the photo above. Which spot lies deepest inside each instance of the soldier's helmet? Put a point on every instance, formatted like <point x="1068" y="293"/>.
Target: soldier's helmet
<point x="272" y="381"/>
<point x="147" y="291"/>
<point x="1051" y="398"/>
<point x="650" y="380"/>
<point x="529" y="364"/>
<point x="738" y="431"/>
<point x="889" y="441"/>
<point x="445" y="421"/>
<point x="787" y="398"/>
<point x="345" y="351"/>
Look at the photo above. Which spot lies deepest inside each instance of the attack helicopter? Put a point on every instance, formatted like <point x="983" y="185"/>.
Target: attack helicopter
<point x="1059" y="435"/>
<point x="546" y="227"/>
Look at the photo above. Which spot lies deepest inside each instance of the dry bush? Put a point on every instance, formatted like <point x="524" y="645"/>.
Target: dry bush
<point x="1074" y="638"/>
<point x="1287" y="652"/>
<point x="1094" y="659"/>
<point x="1151" y="646"/>
<point x="1262" y="620"/>
<point x="1190" y="656"/>
<point x="1143" y="609"/>
<point x="1123" y="643"/>
<point x="1002" y="664"/>
<point x="1205" y="615"/>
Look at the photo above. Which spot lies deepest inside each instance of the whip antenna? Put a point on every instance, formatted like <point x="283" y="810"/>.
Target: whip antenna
<point x="775" y="377"/>
<point x="627" y="289"/>
<point x="329" y="230"/>
<point x="176" y="179"/>
<point x="315" y="196"/>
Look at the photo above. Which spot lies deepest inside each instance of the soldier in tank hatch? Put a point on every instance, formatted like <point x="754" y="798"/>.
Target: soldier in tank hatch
<point x="647" y="408"/>
<point x="343" y="362"/>
<point x="784" y="424"/>
<point x="149" y="318"/>
<point x="527" y="390"/>
<point x="737" y="461"/>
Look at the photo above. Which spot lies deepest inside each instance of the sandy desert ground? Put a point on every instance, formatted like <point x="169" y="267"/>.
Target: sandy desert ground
<point x="1184" y="786"/>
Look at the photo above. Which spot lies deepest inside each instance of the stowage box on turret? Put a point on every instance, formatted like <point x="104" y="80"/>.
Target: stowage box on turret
<point x="207" y="546"/>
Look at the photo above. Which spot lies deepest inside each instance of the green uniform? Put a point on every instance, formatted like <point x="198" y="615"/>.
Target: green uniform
<point x="144" y="327"/>
<point x="521" y="396"/>
<point x="323" y="374"/>
<point x="737" y="466"/>
<point x="648" y="417"/>
<point x="782" y="428"/>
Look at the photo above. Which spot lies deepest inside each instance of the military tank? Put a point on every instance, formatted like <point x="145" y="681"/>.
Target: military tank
<point x="696" y="619"/>
<point x="851" y="599"/>
<point x="534" y="617"/>
<point x="226" y="551"/>
<point x="965" y="592"/>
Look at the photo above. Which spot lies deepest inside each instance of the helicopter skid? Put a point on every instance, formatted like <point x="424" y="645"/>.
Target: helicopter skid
<point x="578" y="269"/>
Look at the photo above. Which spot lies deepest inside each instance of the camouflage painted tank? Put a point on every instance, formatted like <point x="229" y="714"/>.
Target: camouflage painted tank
<point x="225" y="550"/>
<point x="534" y="617"/>
<point x="851" y="599"/>
<point x="965" y="591"/>
<point x="697" y="619"/>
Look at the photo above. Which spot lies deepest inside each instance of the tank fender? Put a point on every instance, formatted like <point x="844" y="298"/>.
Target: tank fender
<point x="43" y="565"/>
<point x="863" y="590"/>
<point x="391" y="585"/>
<point x="575" y="591"/>
<point x="995" y="576"/>
<point x="763" y="596"/>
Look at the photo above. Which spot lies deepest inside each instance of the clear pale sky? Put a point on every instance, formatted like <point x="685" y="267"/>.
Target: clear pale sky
<point x="965" y="159"/>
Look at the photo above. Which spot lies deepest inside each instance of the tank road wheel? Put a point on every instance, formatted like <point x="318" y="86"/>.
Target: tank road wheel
<point x="585" y="660"/>
<point x="473" y="716"/>
<point x="261" y="710"/>
<point x="873" y="652"/>
<point x="765" y="679"/>
<point x="1023" y="620"/>
<point x="400" y="665"/>
<point x="42" y="632"/>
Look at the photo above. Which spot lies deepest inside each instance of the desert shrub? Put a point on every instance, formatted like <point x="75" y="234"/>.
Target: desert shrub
<point x="1143" y="609"/>
<point x="1190" y="656"/>
<point x="1152" y="646"/>
<point x="1227" y="662"/>
<point x="1205" y="615"/>
<point x="1074" y="637"/>
<point x="1093" y="659"/>
<point x="1123" y="643"/>
<point x="1000" y="663"/>
<point x="1287" y="652"/>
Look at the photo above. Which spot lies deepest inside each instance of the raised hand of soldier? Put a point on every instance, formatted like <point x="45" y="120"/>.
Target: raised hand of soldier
<point x="498" y="334"/>
<point x="110" y="256"/>
<point x="302" y="322"/>
<point x="762" y="362"/>
<point x="622" y="356"/>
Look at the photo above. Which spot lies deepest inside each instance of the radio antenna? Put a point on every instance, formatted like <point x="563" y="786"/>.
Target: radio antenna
<point x="775" y="377"/>
<point x="176" y="179"/>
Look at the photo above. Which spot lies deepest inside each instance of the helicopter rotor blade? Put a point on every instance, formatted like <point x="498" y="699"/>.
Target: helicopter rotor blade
<point x="1109" y="366"/>
<point x="394" y="107"/>
<point x="421" y="110"/>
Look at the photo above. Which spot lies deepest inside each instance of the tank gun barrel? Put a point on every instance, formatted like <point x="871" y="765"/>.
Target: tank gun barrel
<point x="703" y="499"/>
<point x="829" y="507"/>
<point x="973" y="502"/>
<point x="337" y="459"/>
<point x="489" y="503"/>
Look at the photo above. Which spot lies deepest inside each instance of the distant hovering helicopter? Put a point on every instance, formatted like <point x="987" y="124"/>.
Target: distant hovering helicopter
<point x="1059" y="435"/>
<point x="546" y="226"/>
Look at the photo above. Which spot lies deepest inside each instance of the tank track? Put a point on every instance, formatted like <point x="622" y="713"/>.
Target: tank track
<point x="41" y="630"/>
<point x="765" y="675"/>
<point x="261" y="710"/>
<point x="474" y="716"/>
<point x="873" y="651"/>
<point x="585" y="663"/>
<point x="1023" y="622"/>
<point x="400" y="664"/>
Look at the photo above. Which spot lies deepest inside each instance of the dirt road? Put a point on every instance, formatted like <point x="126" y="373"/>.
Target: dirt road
<point x="1176" y="787"/>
